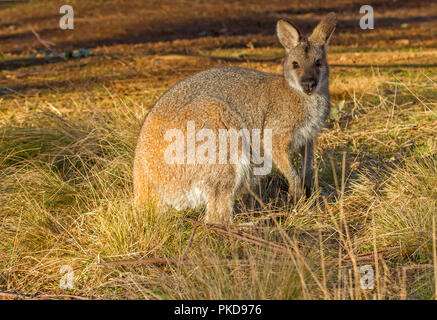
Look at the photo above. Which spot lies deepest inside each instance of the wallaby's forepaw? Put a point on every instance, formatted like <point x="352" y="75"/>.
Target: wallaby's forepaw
<point x="308" y="191"/>
<point x="294" y="194"/>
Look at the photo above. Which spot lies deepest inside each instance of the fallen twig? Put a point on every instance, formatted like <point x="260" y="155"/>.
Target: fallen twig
<point x="129" y="262"/>
<point x="370" y="255"/>
<point x="17" y="296"/>
<point x="241" y="235"/>
<point x="241" y="58"/>
<point x="203" y="262"/>
<point x="237" y="234"/>
<point x="47" y="44"/>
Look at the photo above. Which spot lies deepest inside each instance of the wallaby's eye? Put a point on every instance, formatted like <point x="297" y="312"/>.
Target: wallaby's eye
<point x="318" y="63"/>
<point x="295" y="65"/>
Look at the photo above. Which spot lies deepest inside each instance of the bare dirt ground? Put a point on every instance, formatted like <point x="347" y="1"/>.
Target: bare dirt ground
<point x="134" y="29"/>
<point x="181" y="26"/>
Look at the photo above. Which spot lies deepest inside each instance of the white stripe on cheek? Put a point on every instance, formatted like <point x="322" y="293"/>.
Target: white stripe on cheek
<point x="295" y="82"/>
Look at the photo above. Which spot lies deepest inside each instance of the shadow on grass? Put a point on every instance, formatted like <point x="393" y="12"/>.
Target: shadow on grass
<point x="195" y="26"/>
<point x="13" y="64"/>
<point x="64" y="86"/>
<point x="386" y="66"/>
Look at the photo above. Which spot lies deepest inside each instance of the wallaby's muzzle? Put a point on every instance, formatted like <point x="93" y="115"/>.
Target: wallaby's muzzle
<point x="309" y="85"/>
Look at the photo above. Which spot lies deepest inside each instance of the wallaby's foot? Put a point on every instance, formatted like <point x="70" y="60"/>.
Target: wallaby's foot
<point x="247" y="224"/>
<point x="218" y="218"/>
<point x="219" y="211"/>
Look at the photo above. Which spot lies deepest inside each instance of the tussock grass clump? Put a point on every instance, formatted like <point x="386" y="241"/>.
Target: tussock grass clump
<point x="404" y="207"/>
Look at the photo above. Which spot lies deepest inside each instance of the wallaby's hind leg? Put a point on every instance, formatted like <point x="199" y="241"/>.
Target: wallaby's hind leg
<point x="307" y="153"/>
<point x="221" y="194"/>
<point x="219" y="209"/>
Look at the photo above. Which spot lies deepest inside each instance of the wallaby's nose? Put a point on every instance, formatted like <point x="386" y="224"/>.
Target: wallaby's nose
<point x="308" y="85"/>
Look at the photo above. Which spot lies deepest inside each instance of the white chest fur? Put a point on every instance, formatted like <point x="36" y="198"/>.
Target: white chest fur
<point x="317" y="111"/>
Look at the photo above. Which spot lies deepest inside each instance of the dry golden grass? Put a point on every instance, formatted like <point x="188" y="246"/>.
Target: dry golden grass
<point x="66" y="199"/>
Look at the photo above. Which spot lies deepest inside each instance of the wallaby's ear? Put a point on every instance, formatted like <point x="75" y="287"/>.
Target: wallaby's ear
<point x="288" y="34"/>
<point x="322" y="33"/>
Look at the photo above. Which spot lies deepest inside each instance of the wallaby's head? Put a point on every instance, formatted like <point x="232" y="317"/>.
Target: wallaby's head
<point x="305" y="64"/>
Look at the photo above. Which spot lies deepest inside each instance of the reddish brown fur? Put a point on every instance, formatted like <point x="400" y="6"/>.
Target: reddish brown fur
<point x="232" y="97"/>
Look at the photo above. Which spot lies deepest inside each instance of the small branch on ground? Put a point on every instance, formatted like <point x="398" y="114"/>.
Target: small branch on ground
<point x="47" y="44"/>
<point x="17" y="296"/>
<point x="164" y="261"/>
<point x="241" y="235"/>
<point x="370" y="255"/>
<point x="130" y="262"/>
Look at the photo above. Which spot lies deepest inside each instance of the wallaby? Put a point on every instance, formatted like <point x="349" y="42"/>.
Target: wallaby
<point x="292" y="107"/>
